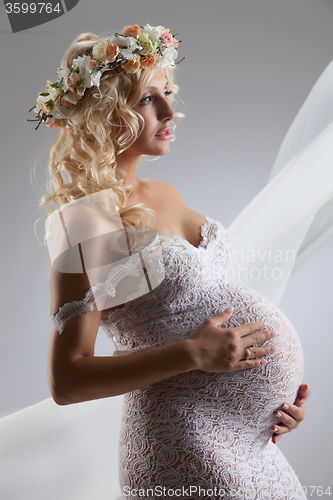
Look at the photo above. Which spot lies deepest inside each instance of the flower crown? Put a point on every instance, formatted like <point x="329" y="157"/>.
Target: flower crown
<point x="137" y="47"/>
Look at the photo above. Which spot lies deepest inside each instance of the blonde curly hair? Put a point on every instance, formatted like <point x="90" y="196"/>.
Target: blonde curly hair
<point x="93" y="132"/>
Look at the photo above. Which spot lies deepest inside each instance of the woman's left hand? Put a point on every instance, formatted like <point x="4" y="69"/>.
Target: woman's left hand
<point x="291" y="415"/>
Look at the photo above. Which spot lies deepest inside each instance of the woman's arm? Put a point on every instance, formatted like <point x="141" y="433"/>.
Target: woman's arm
<point x="76" y="375"/>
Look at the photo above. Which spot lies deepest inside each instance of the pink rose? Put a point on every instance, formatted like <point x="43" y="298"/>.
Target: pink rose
<point x="131" y="66"/>
<point x="149" y="60"/>
<point x="51" y="123"/>
<point x="93" y="64"/>
<point x="174" y="43"/>
<point x="72" y="82"/>
<point x="73" y="79"/>
<point x="167" y="37"/>
<point x="111" y="52"/>
<point x="133" y="31"/>
<point x="80" y="90"/>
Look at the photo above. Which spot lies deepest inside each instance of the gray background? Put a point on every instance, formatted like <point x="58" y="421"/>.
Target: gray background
<point x="249" y="66"/>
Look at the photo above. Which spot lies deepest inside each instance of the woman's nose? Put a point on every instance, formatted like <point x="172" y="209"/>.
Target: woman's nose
<point x="167" y="112"/>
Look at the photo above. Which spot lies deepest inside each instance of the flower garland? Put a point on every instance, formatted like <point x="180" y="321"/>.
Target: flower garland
<point x="137" y="47"/>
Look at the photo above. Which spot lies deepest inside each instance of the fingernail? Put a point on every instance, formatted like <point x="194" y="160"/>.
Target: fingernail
<point x="278" y="414"/>
<point x="275" y="429"/>
<point x="273" y="334"/>
<point x="228" y="310"/>
<point x="273" y="348"/>
<point x="285" y="407"/>
<point x="263" y="362"/>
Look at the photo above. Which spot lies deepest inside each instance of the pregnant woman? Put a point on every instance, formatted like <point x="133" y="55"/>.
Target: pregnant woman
<point x="205" y="363"/>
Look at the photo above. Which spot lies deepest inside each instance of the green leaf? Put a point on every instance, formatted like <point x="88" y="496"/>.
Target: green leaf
<point x="44" y="94"/>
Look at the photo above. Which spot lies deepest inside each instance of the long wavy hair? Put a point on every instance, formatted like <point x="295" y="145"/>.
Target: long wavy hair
<point x="83" y="157"/>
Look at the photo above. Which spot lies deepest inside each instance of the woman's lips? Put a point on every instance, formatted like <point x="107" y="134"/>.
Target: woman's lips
<point x="164" y="134"/>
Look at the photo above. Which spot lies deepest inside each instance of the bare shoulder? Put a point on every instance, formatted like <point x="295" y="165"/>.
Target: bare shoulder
<point x="163" y="188"/>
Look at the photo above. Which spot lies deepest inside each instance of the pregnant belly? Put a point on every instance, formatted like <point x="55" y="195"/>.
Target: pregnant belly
<point x="220" y="406"/>
<point x="244" y="401"/>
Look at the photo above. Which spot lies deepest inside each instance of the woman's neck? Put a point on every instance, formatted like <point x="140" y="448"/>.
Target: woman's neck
<point x="126" y="168"/>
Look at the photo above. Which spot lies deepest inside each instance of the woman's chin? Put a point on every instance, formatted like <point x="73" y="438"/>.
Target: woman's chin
<point x="163" y="150"/>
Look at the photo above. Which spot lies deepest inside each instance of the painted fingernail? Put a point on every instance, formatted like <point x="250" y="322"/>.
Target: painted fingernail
<point x="275" y="429"/>
<point x="263" y="362"/>
<point x="228" y="310"/>
<point x="279" y="414"/>
<point x="285" y="407"/>
<point x="273" y="348"/>
<point x="273" y="334"/>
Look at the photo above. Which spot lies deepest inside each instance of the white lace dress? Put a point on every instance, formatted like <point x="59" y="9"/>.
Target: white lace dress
<point x="198" y="432"/>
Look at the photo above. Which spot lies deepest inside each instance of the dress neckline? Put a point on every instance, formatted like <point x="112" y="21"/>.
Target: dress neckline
<point x="203" y="230"/>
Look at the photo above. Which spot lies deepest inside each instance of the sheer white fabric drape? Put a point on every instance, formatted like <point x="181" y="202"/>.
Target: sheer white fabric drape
<point x="53" y="452"/>
<point x="292" y="216"/>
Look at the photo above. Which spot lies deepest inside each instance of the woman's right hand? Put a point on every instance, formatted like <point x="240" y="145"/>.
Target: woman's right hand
<point x="217" y="349"/>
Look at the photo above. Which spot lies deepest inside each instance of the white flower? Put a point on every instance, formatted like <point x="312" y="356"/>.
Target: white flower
<point x="84" y="70"/>
<point x="37" y="108"/>
<point x="63" y="75"/>
<point x="148" y="47"/>
<point x="126" y="46"/>
<point x="169" y="55"/>
<point x="154" y="32"/>
<point x="95" y="78"/>
<point x="53" y="91"/>
<point x="44" y="98"/>
<point x="99" y="49"/>
<point x="45" y="103"/>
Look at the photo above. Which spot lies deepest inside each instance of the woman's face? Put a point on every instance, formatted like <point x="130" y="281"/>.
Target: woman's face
<point x="155" y="108"/>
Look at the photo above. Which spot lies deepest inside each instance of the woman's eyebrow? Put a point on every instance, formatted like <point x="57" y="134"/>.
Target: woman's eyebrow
<point x="149" y="88"/>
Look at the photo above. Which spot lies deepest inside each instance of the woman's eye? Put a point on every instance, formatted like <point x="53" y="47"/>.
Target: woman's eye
<point x="146" y="100"/>
<point x="149" y="98"/>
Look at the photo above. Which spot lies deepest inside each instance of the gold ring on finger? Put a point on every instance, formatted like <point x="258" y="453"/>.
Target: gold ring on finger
<point x="247" y="354"/>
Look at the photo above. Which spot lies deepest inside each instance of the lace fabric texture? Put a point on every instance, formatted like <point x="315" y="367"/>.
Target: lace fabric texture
<point x="200" y="429"/>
